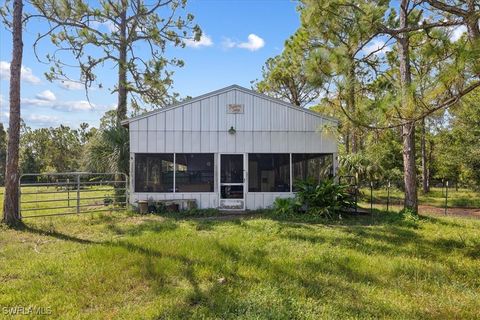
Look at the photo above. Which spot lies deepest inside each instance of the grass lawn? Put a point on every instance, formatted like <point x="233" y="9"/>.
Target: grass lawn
<point x="123" y="266"/>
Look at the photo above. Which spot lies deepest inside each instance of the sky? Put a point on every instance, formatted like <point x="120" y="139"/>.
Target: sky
<point x="238" y="37"/>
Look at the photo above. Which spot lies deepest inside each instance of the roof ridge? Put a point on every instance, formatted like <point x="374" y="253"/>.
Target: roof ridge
<point x="222" y="90"/>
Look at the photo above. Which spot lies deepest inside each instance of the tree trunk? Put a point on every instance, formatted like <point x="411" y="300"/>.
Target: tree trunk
<point x="409" y="175"/>
<point x="11" y="214"/>
<point x="408" y="105"/>
<point x="351" y="103"/>
<point x="473" y="29"/>
<point x="347" y="140"/>
<point x="425" y="170"/>
<point x="122" y="67"/>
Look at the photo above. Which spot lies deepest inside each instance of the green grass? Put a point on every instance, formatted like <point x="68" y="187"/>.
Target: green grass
<point x="462" y="198"/>
<point x="123" y="266"/>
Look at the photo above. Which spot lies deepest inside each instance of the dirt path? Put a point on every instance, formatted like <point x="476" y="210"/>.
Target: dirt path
<point x="463" y="212"/>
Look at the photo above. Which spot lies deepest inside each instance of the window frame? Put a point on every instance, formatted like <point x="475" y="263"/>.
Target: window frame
<point x="135" y="186"/>
<point x="174" y="171"/>
<point x="291" y="155"/>
<point x="193" y="153"/>
<point x="271" y="153"/>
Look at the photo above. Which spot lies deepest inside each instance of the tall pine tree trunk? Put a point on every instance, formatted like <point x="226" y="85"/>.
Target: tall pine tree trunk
<point x="347" y="139"/>
<point x="351" y="103"/>
<point x="11" y="214"/>
<point x="425" y="169"/>
<point x="473" y="28"/>
<point x="408" y="129"/>
<point x="122" y="67"/>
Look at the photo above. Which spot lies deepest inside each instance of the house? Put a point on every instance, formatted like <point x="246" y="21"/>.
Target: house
<point x="232" y="149"/>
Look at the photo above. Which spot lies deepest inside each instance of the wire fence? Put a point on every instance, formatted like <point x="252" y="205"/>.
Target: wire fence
<point x="389" y="195"/>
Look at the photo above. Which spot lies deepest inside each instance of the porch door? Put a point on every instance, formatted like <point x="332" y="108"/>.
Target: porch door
<point x="232" y="182"/>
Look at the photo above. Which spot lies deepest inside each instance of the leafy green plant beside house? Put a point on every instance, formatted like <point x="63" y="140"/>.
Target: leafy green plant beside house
<point x="327" y="199"/>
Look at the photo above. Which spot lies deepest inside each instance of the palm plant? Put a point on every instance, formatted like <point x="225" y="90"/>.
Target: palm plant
<point x="108" y="151"/>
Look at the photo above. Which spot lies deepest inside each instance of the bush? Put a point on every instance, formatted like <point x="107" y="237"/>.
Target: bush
<point x="285" y="206"/>
<point x="326" y="198"/>
<point x="409" y="217"/>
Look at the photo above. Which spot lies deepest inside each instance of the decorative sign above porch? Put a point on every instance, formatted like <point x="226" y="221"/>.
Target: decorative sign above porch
<point x="235" y="108"/>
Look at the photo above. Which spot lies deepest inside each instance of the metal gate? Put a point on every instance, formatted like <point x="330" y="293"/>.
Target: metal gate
<point x="55" y="194"/>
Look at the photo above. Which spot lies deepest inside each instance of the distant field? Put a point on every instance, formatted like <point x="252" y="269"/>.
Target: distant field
<point x="52" y="200"/>
<point x="463" y="198"/>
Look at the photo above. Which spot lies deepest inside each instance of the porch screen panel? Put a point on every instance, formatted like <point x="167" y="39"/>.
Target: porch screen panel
<point x="154" y="172"/>
<point x="194" y="172"/>
<point x="315" y="166"/>
<point x="268" y="172"/>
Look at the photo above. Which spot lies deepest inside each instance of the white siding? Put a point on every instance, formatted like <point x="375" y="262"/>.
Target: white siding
<point x="202" y="125"/>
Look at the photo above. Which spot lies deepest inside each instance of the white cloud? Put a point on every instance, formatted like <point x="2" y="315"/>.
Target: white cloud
<point x="254" y="43"/>
<point x="205" y="41"/>
<point x="3" y="106"/>
<point x="228" y="43"/>
<point x="71" y="85"/>
<point x="49" y="100"/>
<point x="377" y="47"/>
<point x="80" y="105"/>
<point x="4" y="117"/>
<point x="457" y="33"/>
<point x="27" y="74"/>
<point x="43" y="120"/>
<point x="46" y="95"/>
<point x="108" y="25"/>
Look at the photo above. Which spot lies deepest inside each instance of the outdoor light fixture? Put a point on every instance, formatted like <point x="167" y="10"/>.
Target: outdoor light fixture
<point x="232" y="130"/>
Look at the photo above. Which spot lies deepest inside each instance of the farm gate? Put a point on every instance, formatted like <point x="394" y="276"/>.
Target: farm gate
<point x="55" y="194"/>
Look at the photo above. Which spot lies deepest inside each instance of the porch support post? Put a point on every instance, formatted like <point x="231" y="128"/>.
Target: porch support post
<point x="174" y="171"/>
<point x="291" y="174"/>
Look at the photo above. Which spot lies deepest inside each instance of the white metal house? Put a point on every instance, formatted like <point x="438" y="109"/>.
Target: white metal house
<point x="229" y="149"/>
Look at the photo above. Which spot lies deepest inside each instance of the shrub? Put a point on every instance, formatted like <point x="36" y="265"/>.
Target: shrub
<point x="409" y="217"/>
<point x="326" y="198"/>
<point x="285" y="206"/>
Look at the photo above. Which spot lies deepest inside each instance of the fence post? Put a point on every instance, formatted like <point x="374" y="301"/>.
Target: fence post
<point x="356" y="196"/>
<point x="446" y="197"/>
<point x="371" y="197"/>
<point x="68" y="191"/>
<point x="388" y="195"/>
<point x="19" y="197"/>
<point x="78" y="193"/>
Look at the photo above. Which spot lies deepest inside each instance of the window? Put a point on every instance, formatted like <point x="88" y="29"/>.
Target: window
<point x="268" y="172"/>
<point x="312" y="165"/>
<point x="194" y="172"/>
<point x="154" y="172"/>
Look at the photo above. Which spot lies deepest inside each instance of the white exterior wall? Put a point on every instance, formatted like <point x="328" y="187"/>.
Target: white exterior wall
<point x="201" y="126"/>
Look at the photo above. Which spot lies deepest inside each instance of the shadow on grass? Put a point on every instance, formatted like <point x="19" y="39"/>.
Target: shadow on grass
<point x="322" y="278"/>
<point x="52" y="233"/>
<point x="146" y="226"/>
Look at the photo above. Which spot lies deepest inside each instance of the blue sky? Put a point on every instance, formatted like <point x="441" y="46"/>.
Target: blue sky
<point x="239" y="37"/>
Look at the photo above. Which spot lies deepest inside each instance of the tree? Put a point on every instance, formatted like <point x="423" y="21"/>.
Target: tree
<point x="3" y="153"/>
<point x="11" y="214"/>
<point x="284" y="76"/>
<point x="108" y="142"/>
<point x="348" y="26"/>
<point x="337" y="34"/>
<point x="135" y="44"/>
<point x="457" y="151"/>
